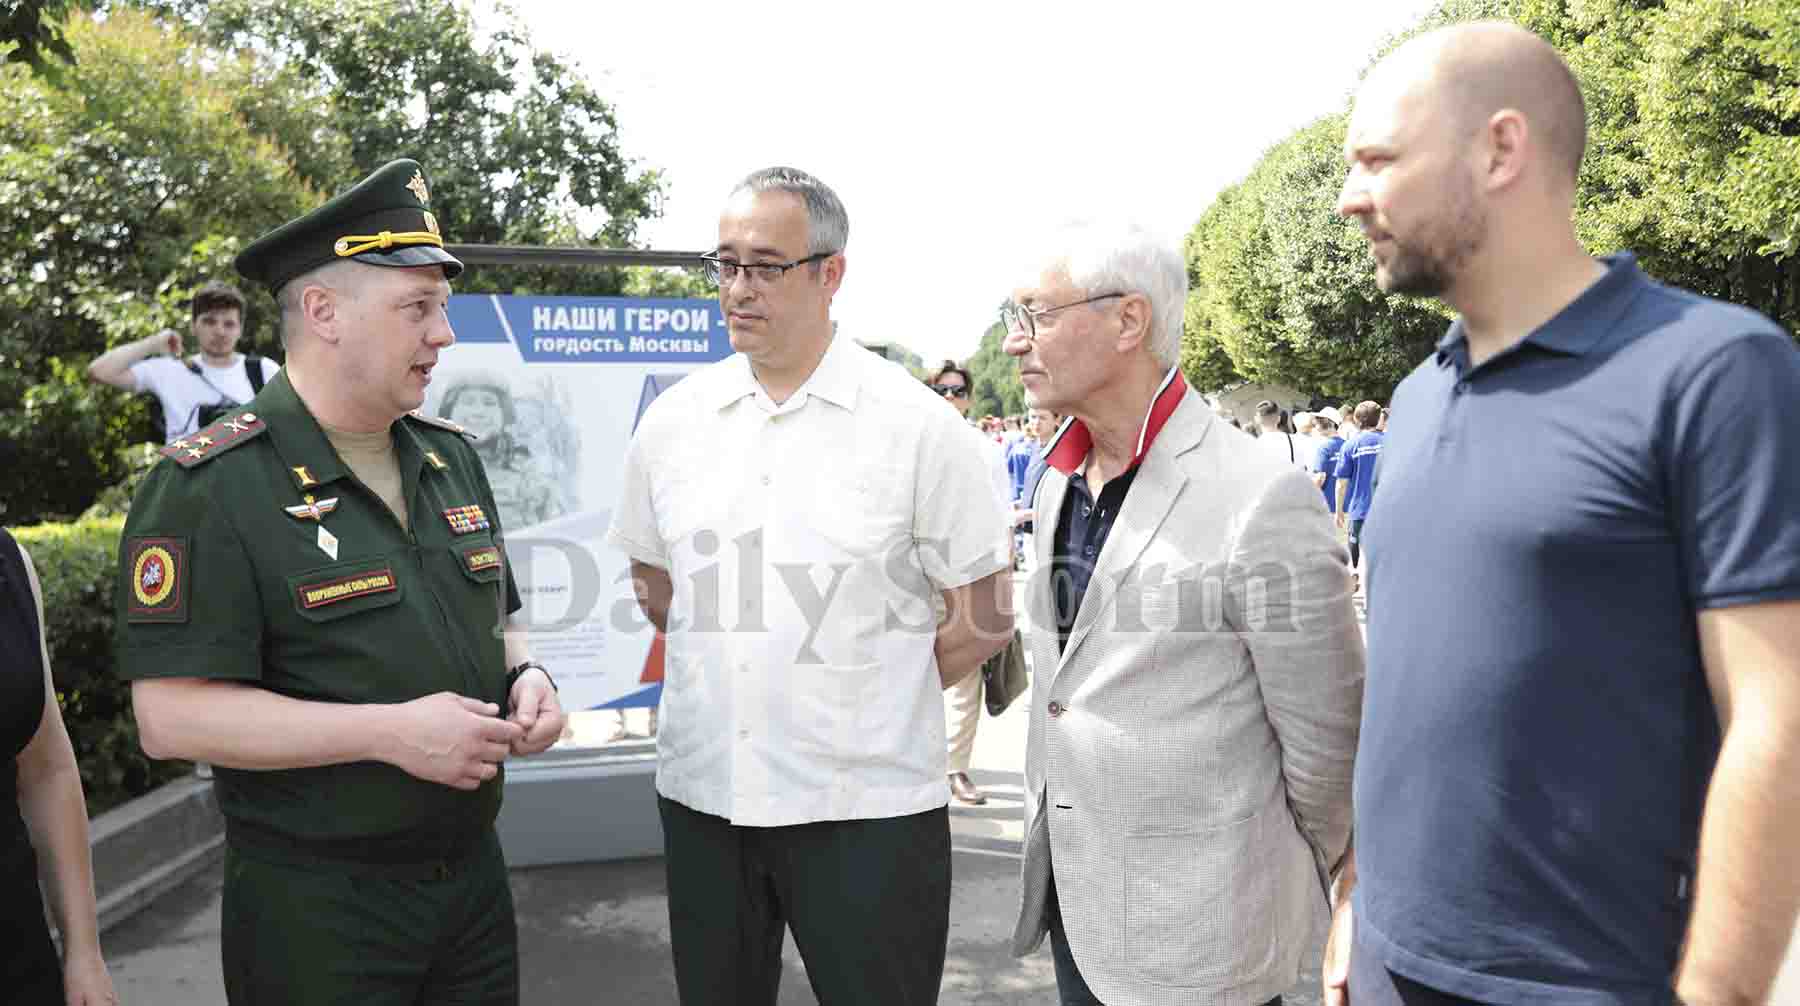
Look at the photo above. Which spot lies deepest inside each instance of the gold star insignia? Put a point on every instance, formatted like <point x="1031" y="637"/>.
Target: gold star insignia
<point x="417" y="185"/>
<point x="195" y="453"/>
<point x="180" y="445"/>
<point x="204" y="441"/>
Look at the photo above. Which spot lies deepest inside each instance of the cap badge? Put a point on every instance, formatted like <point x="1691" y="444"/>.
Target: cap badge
<point x="417" y="185"/>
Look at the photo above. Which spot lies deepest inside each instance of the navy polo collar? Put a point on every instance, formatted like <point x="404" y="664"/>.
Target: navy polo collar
<point x="1578" y="327"/>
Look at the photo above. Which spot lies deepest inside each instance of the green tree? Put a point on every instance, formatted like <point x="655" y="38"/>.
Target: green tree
<point x="123" y="185"/>
<point x="998" y="391"/>
<point x="1693" y="162"/>
<point x="518" y="146"/>
<point x="1282" y="290"/>
<point x="31" y="33"/>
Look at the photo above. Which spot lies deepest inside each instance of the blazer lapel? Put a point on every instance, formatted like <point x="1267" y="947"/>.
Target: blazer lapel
<point x="1040" y="599"/>
<point x="1153" y="493"/>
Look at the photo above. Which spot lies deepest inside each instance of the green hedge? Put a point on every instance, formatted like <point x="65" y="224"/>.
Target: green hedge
<point x="77" y="563"/>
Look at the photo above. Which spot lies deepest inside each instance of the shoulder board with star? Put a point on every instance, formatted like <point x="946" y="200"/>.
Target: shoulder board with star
<point x="442" y="424"/>
<point x="209" y="442"/>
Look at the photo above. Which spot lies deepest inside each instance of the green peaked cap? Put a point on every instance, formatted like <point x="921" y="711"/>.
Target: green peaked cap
<point x="384" y="219"/>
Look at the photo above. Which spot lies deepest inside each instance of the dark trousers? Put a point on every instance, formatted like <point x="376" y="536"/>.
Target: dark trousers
<point x="868" y="902"/>
<point x="1071" y="988"/>
<point x="30" y="971"/>
<point x="1356" y="527"/>
<point x="416" y="935"/>
<point x="1372" y="984"/>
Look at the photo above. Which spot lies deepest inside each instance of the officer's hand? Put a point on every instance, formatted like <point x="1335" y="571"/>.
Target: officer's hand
<point x="537" y="711"/>
<point x="453" y="740"/>
<point x="168" y="341"/>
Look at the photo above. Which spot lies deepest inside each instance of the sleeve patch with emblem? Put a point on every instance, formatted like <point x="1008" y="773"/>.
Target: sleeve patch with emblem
<point x="375" y="581"/>
<point x="159" y="579"/>
<point x="478" y="559"/>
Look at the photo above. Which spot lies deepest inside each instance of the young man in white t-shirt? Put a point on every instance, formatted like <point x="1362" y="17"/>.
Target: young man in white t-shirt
<point x="216" y="376"/>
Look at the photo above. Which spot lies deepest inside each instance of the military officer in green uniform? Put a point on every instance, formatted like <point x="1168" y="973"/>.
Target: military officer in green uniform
<point x="311" y="597"/>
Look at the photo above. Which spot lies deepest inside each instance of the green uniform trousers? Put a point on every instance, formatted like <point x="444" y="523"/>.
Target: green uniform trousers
<point x="868" y="901"/>
<point x="322" y="933"/>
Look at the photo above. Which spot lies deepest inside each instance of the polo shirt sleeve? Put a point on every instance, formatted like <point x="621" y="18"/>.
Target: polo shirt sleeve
<point x="960" y="525"/>
<point x="634" y="528"/>
<point x="1733" y="468"/>
<point x="1322" y="457"/>
<point x="186" y="603"/>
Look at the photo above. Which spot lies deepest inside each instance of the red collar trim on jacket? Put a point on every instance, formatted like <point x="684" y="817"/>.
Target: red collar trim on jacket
<point x="1069" y="448"/>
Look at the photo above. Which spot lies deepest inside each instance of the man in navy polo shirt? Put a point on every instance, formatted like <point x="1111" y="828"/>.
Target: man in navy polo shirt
<point x="1577" y="775"/>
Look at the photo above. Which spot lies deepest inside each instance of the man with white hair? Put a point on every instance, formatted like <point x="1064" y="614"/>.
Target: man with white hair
<point x="1194" y="721"/>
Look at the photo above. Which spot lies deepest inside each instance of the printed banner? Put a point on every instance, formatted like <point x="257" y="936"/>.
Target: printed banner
<point x="552" y="387"/>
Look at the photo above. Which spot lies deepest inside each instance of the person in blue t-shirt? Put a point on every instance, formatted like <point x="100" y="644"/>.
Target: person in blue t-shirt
<point x="1576" y="774"/>
<point x="1325" y="425"/>
<point x="1356" y="476"/>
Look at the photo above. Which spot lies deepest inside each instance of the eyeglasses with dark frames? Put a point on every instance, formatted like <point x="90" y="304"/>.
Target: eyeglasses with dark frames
<point x="949" y="390"/>
<point x="1022" y="320"/>
<point x="724" y="271"/>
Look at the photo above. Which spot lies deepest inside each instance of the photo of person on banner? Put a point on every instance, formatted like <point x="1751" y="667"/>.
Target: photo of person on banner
<point x="483" y="405"/>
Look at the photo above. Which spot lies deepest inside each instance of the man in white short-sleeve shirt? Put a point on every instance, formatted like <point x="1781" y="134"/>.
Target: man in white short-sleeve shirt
<point x="216" y="376"/>
<point x="822" y="546"/>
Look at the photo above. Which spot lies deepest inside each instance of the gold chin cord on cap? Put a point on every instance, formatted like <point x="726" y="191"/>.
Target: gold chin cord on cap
<point x="356" y="244"/>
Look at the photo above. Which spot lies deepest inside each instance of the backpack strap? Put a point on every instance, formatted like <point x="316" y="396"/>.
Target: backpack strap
<point x="253" y="370"/>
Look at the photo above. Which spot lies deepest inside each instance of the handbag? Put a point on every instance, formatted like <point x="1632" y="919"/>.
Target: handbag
<point x="1003" y="677"/>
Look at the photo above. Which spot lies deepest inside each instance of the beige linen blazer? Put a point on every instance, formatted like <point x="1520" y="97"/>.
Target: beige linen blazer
<point x="1193" y="786"/>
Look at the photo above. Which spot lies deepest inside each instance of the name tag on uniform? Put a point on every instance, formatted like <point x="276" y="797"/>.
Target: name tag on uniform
<point x="375" y="581"/>
<point x="466" y="519"/>
<point x="478" y="559"/>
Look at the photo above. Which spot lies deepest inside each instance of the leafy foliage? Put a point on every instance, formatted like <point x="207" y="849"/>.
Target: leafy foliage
<point x="519" y="148"/>
<point x="1693" y="162"/>
<point x="78" y="564"/>
<point x="998" y="391"/>
<point x="122" y="188"/>
<point x="31" y="33"/>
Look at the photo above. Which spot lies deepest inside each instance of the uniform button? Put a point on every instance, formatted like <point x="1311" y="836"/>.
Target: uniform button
<point x="1056" y="708"/>
<point x="1088" y="552"/>
<point x="1086" y="510"/>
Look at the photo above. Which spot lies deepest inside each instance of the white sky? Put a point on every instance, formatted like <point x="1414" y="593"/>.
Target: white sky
<point x="953" y="130"/>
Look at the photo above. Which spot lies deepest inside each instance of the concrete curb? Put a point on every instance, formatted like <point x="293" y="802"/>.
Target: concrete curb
<point x="150" y="845"/>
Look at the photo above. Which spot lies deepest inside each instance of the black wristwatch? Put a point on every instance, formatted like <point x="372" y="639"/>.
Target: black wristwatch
<point x="513" y="675"/>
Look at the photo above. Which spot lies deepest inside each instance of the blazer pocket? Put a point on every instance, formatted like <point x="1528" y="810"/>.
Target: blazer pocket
<point x="1199" y="904"/>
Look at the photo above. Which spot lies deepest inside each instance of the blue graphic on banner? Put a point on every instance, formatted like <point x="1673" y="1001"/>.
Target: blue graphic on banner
<point x="594" y="329"/>
<point x="643" y="698"/>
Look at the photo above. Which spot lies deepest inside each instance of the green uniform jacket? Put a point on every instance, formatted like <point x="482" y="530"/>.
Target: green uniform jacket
<point x="224" y="574"/>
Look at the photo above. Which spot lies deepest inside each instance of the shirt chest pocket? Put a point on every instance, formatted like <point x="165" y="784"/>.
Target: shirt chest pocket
<point x="329" y="593"/>
<point x="864" y="508"/>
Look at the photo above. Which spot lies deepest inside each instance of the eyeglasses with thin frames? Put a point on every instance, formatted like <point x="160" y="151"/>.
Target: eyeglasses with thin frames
<point x="1022" y="320"/>
<point x="723" y="272"/>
